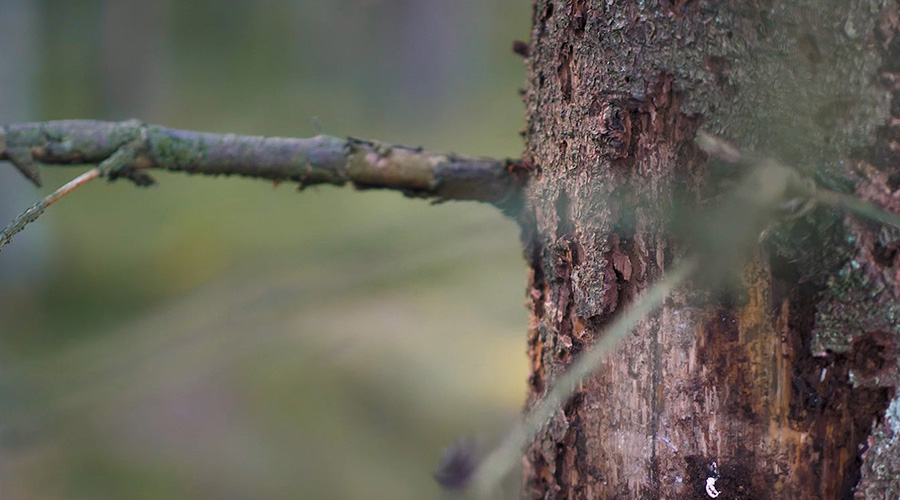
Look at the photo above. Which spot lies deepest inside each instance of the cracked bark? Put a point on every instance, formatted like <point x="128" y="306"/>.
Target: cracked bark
<point x="784" y="390"/>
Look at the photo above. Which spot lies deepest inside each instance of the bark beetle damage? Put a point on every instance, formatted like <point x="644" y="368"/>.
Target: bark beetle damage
<point x="843" y="369"/>
<point x="538" y="288"/>
<point x="541" y="16"/>
<point x="832" y="402"/>
<point x="855" y="334"/>
<point x="613" y="118"/>
<point x="564" y="72"/>
<point x="731" y="361"/>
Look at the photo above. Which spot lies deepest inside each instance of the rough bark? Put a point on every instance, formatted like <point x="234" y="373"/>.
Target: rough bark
<point x="783" y="390"/>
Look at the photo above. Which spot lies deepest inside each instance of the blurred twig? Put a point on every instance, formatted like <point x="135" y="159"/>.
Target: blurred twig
<point x="801" y="194"/>
<point x="859" y="207"/>
<point x="30" y="215"/>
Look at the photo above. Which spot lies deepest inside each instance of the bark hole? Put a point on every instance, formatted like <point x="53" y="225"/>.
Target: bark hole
<point x="885" y="254"/>
<point x="893" y="181"/>
<point x="871" y="356"/>
<point x="579" y="18"/>
<point x="564" y="225"/>
<point x="564" y="72"/>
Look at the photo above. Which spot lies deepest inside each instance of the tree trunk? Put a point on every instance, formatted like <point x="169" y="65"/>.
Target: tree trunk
<point x="784" y="390"/>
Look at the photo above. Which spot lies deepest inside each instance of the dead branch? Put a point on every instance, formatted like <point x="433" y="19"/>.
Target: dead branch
<point x="128" y="149"/>
<point x="317" y="160"/>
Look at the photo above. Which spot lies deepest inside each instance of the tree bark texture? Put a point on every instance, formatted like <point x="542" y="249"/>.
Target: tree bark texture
<point x="783" y="390"/>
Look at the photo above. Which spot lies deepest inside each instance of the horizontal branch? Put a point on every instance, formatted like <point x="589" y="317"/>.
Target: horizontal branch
<point x="317" y="160"/>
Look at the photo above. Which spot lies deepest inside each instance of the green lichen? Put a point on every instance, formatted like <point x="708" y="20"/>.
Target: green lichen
<point x="857" y="301"/>
<point x="23" y="136"/>
<point x="177" y="153"/>
<point x="322" y="163"/>
<point x="881" y="470"/>
<point x="123" y="133"/>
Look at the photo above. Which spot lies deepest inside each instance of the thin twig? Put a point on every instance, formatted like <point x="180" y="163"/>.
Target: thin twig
<point x="503" y="458"/>
<point x="718" y="148"/>
<point x="32" y="214"/>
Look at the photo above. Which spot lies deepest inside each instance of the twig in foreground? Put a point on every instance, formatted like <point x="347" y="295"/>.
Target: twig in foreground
<point x="859" y="207"/>
<point x="807" y="193"/>
<point x="503" y="458"/>
<point x="30" y="215"/>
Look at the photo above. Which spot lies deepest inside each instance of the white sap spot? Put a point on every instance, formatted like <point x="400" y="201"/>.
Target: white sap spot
<point x="711" y="487"/>
<point x="711" y="481"/>
<point x="849" y="29"/>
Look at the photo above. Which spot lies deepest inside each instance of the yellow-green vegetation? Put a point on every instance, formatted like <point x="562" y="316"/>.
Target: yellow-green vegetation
<point x="227" y="339"/>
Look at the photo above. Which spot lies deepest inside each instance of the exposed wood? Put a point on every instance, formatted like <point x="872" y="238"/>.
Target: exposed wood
<point x="783" y="388"/>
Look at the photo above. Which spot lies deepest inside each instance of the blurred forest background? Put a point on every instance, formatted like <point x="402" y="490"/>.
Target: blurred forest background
<point x="221" y="338"/>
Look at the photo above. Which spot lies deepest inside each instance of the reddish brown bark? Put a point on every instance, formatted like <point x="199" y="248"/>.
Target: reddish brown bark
<point x="783" y="390"/>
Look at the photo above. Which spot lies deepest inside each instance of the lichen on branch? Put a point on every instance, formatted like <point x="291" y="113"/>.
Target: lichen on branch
<point x="129" y="149"/>
<point x="317" y="160"/>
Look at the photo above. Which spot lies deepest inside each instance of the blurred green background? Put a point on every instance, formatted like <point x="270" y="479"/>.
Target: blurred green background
<point x="222" y="338"/>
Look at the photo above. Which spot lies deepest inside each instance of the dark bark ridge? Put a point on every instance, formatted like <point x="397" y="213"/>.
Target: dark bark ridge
<point x="786" y="392"/>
